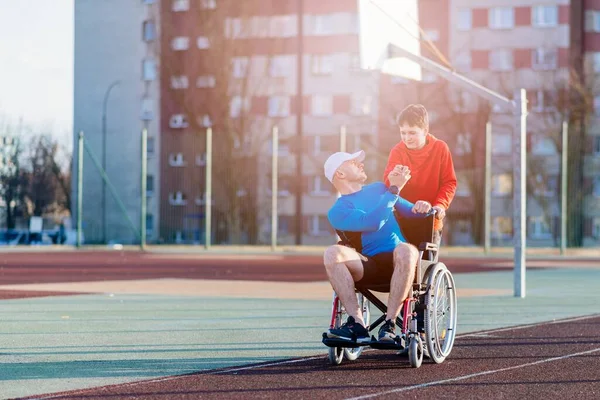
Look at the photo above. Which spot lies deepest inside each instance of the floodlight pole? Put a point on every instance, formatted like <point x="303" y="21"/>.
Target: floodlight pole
<point x="519" y="107"/>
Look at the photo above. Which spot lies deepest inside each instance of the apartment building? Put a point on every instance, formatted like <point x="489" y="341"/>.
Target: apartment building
<point x="233" y="67"/>
<point x="116" y="96"/>
<point x="506" y="45"/>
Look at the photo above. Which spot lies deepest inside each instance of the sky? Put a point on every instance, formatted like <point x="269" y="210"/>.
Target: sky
<point x="36" y="65"/>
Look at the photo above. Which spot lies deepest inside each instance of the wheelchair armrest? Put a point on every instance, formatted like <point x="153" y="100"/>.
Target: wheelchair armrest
<point x="426" y="246"/>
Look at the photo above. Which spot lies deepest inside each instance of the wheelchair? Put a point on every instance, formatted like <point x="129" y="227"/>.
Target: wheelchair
<point x="428" y="316"/>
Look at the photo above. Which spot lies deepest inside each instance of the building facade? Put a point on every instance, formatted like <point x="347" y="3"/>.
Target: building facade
<point x="116" y="95"/>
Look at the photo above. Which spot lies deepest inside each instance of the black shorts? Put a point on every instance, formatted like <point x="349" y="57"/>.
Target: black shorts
<point x="378" y="269"/>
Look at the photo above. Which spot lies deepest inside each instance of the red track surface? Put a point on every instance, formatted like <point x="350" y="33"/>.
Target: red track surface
<point x="19" y="268"/>
<point x="547" y="361"/>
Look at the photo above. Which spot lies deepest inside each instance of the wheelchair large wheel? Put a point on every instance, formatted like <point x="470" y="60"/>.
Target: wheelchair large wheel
<point x="336" y="354"/>
<point x="440" y="312"/>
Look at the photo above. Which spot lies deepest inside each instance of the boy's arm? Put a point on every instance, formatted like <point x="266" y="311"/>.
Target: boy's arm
<point x="344" y="217"/>
<point x="393" y="160"/>
<point x="448" y="181"/>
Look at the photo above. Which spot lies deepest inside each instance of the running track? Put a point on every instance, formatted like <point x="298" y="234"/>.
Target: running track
<point x="543" y="361"/>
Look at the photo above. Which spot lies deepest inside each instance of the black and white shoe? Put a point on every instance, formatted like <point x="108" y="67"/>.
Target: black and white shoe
<point x="351" y="331"/>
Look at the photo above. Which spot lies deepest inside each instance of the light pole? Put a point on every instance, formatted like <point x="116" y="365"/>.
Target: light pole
<point x="112" y="85"/>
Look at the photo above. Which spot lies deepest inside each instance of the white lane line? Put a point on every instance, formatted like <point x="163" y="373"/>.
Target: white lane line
<point x="463" y="377"/>
<point x="518" y="327"/>
<point x="265" y="365"/>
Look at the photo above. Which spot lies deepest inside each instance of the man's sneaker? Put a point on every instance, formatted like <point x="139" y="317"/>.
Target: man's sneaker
<point x="351" y="331"/>
<point x="387" y="332"/>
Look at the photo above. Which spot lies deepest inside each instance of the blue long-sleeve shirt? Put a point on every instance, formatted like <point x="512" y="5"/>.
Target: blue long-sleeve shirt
<point x="370" y="211"/>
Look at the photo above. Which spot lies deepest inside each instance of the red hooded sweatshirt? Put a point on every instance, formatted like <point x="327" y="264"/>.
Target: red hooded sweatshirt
<point x="432" y="173"/>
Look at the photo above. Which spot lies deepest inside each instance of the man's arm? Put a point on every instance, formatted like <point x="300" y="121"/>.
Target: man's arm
<point x="448" y="181"/>
<point x="344" y="217"/>
<point x="404" y="208"/>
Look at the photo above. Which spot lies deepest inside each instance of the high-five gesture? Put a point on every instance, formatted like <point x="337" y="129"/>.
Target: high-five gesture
<point x="399" y="176"/>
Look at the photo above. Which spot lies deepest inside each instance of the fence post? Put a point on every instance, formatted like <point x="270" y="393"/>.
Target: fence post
<point x="563" y="188"/>
<point x="343" y="138"/>
<point x="208" y="191"/>
<point x="144" y="188"/>
<point x="274" y="186"/>
<point x="79" y="186"/>
<point x="488" y="188"/>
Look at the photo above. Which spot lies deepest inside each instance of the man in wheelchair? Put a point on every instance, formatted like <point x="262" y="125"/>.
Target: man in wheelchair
<point x="383" y="256"/>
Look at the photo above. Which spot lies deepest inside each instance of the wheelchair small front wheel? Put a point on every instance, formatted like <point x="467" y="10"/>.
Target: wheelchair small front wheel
<point x="415" y="352"/>
<point x="335" y="355"/>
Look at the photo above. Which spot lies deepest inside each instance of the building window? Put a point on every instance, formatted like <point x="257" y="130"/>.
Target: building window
<point x="539" y="228"/>
<point x="597" y="105"/>
<point x="463" y="144"/>
<point x="321" y="105"/>
<point x="464" y="19"/>
<point x="206" y="81"/>
<point x="239" y="67"/>
<point x="147" y="113"/>
<point x="205" y="121"/>
<point x="596" y="187"/>
<point x="235" y="28"/>
<point x="501" y="185"/>
<point x="177" y="199"/>
<point x="283" y="26"/>
<point x="319" y="187"/>
<point x="179" y="82"/>
<point x="596" y="145"/>
<point x="592" y="21"/>
<point x="542" y="16"/>
<point x="150" y="146"/>
<point x="149" y="31"/>
<point x="237" y="105"/>
<point x="149" y="69"/>
<point x="180" y="43"/>
<point x="176" y="160"/>
<point x="462" y="62"/>
<point x="596" y="62"/>
<point x="178" y="121"/>
<point x="596" y="227"/>
<point x="545" y="186"/>
<point x="149" y="224"/>
<point x="501" y="18"/>
<point x="148" y="2"/>
<point x="501" y="60"/>
<point x="208" y="4"/>
<point x="501" y="143"/>
<point x="432" y="34"/>
<point x="279" y="106"/>
<point x="463" y="188"/>
<point x="149" y="185"/>
<point x="543" y="101"/>
<point x="322" y="64"/>
<point x="202" y="42"/>
<point x="281" y="66"/>
<point x="320" y="25"/>
<point x="544" y="58"/>
<point x="180" y="5"/>
<point x="318" y="225"/>
<point x="361" y="105"/>
<point x="501" y="228"/>
<point x="542" y="145"/>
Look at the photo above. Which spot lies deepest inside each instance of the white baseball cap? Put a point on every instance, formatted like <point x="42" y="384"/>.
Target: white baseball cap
<point x="336" y="159"/>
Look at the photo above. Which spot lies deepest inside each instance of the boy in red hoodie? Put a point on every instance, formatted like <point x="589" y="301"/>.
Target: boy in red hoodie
<point x="433" y="180"/>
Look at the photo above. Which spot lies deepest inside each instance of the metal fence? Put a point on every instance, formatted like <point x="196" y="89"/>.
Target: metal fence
<point x="253" y="200"/>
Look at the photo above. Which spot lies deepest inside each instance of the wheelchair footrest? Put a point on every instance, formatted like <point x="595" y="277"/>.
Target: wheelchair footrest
<point x="387" y="345"/>
<point x="336" y="342"/>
